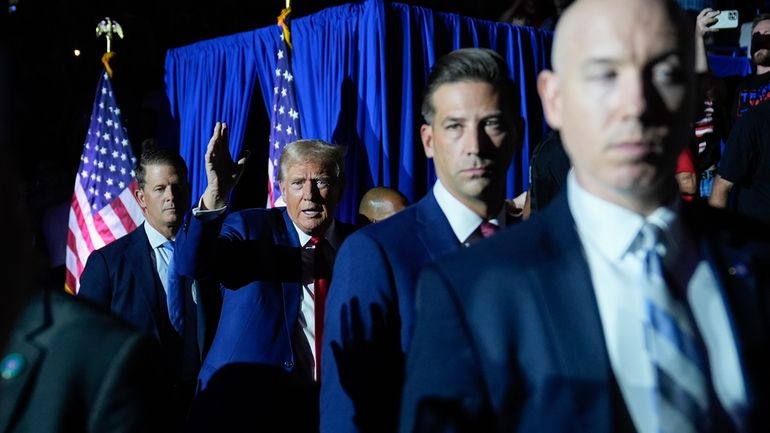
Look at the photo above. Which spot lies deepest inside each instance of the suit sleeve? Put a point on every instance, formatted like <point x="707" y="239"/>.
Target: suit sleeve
<point x="362" y="357"/>
<point x="95" y="282"/>
<point x="444" y="390"/>
<point x="130" y="397"/>
<point x="235" y="250"/>
<point x="196" y="244"/>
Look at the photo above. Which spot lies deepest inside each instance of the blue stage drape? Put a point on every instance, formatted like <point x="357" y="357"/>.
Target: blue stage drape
<point x="359" y="72"/>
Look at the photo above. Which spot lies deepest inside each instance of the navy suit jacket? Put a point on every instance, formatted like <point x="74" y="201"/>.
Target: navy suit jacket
<point x="509" y="338"/>
<point x="122" y="278"/>
<point x="369" y="316"/>
<point x="252" y="364"/>
<point x="81" y="370"/>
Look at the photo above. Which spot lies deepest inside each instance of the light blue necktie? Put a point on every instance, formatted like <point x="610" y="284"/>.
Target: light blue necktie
<point x="682" y="388"/>
<point x="175" y="287"/>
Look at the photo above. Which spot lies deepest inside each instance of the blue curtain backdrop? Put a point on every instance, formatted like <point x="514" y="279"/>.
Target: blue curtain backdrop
<point x="359" y="72"/>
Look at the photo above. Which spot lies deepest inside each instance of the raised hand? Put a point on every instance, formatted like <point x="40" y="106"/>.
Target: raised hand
<point x="222" y="172"/>
<point x="706" y="18"/>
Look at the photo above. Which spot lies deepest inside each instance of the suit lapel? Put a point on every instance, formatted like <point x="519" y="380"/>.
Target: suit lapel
<point x="12" y="391"/>
<point x="570" y="307"/>
<point x="568" y="295"/>
<point x="434" y="232"/>
<point x="137" y="255"/>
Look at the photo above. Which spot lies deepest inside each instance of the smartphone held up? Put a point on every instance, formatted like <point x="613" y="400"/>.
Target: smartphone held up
<point x="727" y="19"/>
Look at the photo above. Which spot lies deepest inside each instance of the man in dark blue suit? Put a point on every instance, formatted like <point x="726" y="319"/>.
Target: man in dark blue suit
<point x="471" y="133"/>
<point x="131" y="278"/>
<point x="619" y="308"/>
<point x="274" y="266"/>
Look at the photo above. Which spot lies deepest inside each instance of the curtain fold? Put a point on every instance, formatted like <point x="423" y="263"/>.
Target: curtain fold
<point x="208" y="82"/>
<point x="359" y="72"/>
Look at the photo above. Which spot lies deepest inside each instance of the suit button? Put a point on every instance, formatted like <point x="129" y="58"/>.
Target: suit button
<point x="288" y="365"/>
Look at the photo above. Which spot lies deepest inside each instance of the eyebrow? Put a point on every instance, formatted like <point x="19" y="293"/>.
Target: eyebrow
<point x="453" y="119"/>
<point x="674" y="54"/>
<point x="498" y="113"/>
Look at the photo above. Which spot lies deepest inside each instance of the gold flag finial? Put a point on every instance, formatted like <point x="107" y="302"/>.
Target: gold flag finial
<point x="109" y="28"/>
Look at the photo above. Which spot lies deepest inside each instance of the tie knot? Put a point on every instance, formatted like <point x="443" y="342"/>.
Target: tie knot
<point x="169" y="245"/>
<point x="488" y="229"/>
<point x="315" y="240"/>
<point x="651" y="238"/>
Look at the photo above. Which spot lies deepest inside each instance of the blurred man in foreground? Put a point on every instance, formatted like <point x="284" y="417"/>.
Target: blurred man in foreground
<point x="619" y="308"/>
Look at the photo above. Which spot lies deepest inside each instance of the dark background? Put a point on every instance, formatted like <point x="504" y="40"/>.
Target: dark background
<point x="46" y="92"/>
<point x="52" y="90"/>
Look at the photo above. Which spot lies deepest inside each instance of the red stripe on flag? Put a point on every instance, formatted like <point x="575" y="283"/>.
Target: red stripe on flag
<point x="120" y="210"/>
<point x="78" y="260"/>
<point x="103" y="229"/>
<point x="72" y="275"/>
<point x="81" y="220"/>
<point x="69" y="283"/>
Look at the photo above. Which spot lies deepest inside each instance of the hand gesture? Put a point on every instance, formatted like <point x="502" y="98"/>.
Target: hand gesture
<point x="706" y="18"/>
<point x="222" y="173"/>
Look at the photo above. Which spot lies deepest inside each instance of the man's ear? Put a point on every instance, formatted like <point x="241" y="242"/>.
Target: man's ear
<point x="426" y="135"/>
<point x="139" y="196"/>
<point x="550" y="97"/>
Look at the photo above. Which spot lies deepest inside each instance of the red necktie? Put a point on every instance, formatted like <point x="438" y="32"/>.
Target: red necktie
<point x="488" y="229"/>
<point x="321" y="273"/>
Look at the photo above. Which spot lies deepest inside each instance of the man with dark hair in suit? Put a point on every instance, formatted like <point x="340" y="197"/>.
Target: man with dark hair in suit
<point x="619" y="308"/>
<point x="132" y="276"/>
<point x="274" y="266"/>
<point x="471" y="132"/>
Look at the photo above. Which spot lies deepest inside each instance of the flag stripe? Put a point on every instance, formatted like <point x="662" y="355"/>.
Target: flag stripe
<point x="130" y="216"/>
<point x="103" y="205"/>
<point x="105" y="232"/>
<point x="76" y="243"/>
<point x="80" y="220"/>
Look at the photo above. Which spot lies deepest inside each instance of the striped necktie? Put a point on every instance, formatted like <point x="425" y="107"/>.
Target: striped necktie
<point x="681" y="393"/>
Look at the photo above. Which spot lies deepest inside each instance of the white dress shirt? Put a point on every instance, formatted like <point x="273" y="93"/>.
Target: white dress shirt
<point x="307" y="299"/>
<point x="462" y="219"/>
<point x="607" y="232"/>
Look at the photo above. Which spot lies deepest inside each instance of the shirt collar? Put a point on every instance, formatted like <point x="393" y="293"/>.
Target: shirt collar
<point x="156" y="239"/>
<point x="462" y="220"/>
<point x="612" y="229"/>
<point x="330" y="235"/>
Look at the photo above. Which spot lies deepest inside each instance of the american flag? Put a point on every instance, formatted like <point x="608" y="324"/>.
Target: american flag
<point x="284" y="124"/>
<point x="103" y="204"/>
